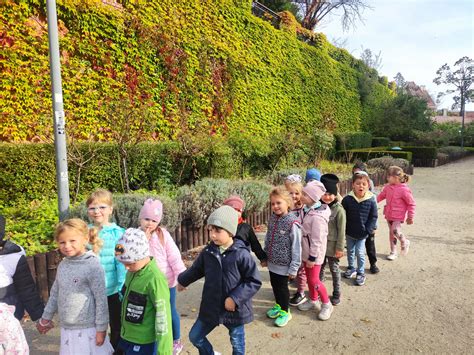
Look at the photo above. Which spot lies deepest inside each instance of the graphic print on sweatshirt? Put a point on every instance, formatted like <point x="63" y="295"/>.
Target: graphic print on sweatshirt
<point x="136" y="304"/>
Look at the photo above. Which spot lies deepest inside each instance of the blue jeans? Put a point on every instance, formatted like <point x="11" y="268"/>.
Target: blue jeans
<point x="175" y="322"/>
<point x="200" y="329"/>
<point x="356" y="248"/>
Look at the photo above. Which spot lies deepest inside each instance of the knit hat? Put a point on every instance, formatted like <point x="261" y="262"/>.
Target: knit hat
<point x="152" y="209"/>
<point x="330" y="183"/>
<point x="132" y="247"/>
<point x="293" y="178"/>
<point x="315" y="190"/>
<point x="312" y="174"/>
<point x="224" y="217"/>
<point x="235" y="202"/>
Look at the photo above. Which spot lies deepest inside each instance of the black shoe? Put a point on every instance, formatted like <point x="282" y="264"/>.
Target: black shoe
<point x="335" y="300"/>
<point x="374" y="269"/>
<point x="297" y="299"/>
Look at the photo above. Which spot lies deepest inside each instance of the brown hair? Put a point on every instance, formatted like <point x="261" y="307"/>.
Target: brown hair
<point x="358" y="176"/>
<point x="100" y="195"/>
<point x="398" y="172"/>
<point x="282" y="192"/>
<point x="78" y="225"/>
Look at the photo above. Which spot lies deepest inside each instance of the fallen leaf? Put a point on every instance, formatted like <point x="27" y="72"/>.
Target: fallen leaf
<point x="193" y="309"/>
<point x="357" y="335"/>
<point x="366" y="320"/>
<point x="277" y="335"/>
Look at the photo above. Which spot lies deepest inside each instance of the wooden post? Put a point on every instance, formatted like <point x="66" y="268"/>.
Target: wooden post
<point x="53" y="258"/>
<point x="31" y="264"/>
<point x="189" y="235"/>
<point x="184" y="237"/>
<point x="177" y="237"/>
<point x="41" y="275"/>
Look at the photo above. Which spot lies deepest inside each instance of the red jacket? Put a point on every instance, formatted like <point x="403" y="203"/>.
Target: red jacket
<point x="399" y="202"/>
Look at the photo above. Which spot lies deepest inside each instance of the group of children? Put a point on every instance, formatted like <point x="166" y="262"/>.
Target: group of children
<point x="128" y="279"/>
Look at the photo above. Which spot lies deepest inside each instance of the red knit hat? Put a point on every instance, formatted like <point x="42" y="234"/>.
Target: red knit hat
<point x="235" y="202"/>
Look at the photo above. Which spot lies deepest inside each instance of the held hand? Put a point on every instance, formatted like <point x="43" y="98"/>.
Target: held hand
<point x="309" y="264"/>
<point x="339" y="254"/>
<point x="44" y="325"/>
<point x="264" y="263"/>
<point x="99" y="338"/>
<point x="291" y="277"/>
<point x="180" y="288"/>
<point x="229" y="304"/>
<point x="409" y="220"/>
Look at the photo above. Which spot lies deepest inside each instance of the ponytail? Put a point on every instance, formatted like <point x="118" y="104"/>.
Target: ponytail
<point x="398" y="172"/>
<point x="95" y="242"/>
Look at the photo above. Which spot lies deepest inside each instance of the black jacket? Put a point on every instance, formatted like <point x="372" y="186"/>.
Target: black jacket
<point x="361" y="215"/>
<point x="247" y="235"/>
<point x="21" y="290"/>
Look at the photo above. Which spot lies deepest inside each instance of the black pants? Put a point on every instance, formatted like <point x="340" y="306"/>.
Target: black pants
<point x="370" y="248"/>
<point x="115" y="309"/>
<point x="280" y="290"/>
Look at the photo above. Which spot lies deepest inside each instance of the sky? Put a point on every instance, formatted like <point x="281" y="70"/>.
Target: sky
<point x="415" y="37"/>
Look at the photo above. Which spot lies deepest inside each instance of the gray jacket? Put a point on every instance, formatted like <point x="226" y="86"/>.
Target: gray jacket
<point x="78" y="294"/>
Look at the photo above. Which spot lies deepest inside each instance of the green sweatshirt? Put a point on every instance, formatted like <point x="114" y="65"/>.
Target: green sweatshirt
<point x="146" y="313"/>
<point x="336" y="229"/>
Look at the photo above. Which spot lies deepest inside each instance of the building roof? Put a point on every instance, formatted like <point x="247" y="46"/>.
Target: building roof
<point x="420" y="91"/>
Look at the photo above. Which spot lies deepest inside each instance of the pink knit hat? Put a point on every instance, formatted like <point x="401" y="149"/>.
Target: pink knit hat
<point x="152" y="209"/>
<point x="235" y="202"/>
<point x="315" y="190"/>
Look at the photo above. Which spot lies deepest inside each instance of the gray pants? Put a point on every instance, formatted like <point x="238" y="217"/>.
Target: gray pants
<point x="335" y="272"/>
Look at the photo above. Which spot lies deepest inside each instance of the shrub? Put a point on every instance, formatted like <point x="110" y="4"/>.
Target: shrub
<point x="385" y="162"/>
<point x="422" y="152"/>
<point x="254" y="193"/>
<point x="366" y="154"/>
<point x="451" y="150"/>
<point x="435" y="138"/>
<point x="380" y="142"/>
<point x="353" y="140"/>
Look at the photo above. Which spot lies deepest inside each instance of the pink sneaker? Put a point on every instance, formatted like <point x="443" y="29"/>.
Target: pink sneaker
<point x="177" y="347"/>
<point x="405" y="247"/>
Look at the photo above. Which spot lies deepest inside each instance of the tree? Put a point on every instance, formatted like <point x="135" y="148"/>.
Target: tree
<point x="461" y="77"/>
<point x="400" y="82"/>
<point x="370" y="59"/>
<point x="282" y="5"/>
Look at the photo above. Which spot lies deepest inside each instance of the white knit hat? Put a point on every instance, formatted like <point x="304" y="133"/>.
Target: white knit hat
<point x="132" y="247"/>
<point x="224" y="217"/>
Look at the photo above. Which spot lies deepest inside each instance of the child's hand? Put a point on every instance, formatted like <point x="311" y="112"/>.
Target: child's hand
<point x="309" y="264"/>
<point x="180" y="287"/>
<point x="409" y="220"/>
<point x="339" y="254"/>
<point x="291" y="277"/>
<point x="99" y="338"/>
<point x="229" y="304"/>
<point x="44" y="325"/>
<point x="264" y="263"/>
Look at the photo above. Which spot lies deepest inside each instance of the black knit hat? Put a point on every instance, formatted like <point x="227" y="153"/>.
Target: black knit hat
<point x="330" y="183"/>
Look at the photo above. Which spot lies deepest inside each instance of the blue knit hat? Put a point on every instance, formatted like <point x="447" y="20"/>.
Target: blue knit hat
<point x="312" y="174"/>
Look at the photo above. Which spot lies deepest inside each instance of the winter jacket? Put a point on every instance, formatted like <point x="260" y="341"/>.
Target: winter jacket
<point x="78" y="294"/>
<point x="230" y="274"/>
<point x="299" y="213"/>
<point x="12" y="337"/>
<point x="337" y="229"/>
<point x="146" y="313"/>
<point x="17" y="287"/>
<point x="315" y="234"/>
<point x="283" y="244"/>
<point x="114" y="270"/>
<point x="167" y="257"/>
<point x="361" y="215"/>
<point x="399" y="203"/>
<point x="246" y="234"/>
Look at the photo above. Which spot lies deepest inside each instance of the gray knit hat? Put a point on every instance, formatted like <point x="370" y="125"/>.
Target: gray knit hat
<point x="132" y="247"/>
<point x="224" y="217"/>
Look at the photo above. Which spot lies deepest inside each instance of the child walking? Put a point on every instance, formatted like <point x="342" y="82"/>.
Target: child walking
<point x="231" y="280"/>
<point x="336" y="235"/>
<point x="99" y="209"/>
<point x="167" y="257"/>
<point x="283" y="248"/>
<point x="78" y="293"/>
<point x="314" y="241"/>
<point x="361" y="220"/>
<point x="245" y="231"/>
<point x="146" y="314"/>
<point x="400" y="205"/>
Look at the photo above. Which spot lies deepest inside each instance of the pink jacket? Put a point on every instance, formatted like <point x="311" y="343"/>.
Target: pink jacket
<point x="399" y="202"/>
<point x="167" y="256"/>
<point x="315" y="234"/>
<point x="12" y="338"/>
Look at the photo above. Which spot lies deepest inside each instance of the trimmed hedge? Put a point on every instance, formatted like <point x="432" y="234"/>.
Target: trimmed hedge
<point x="366" y="154"/>
<point x="380" y="142"/>
<point x="422" y="152"/>
<point x="353" y="140"/>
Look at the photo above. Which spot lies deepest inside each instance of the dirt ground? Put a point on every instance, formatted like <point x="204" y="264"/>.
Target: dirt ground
<point x="421" y="303"/>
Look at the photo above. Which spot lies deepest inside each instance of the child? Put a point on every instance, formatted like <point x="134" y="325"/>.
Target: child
<point x="244" y="230"/>
<point x="100" y="208"/>
<point x="17" y="287"/>
<point x="314" y="240"/>
<point x="283" y="248"/>
<point x="78" y="293"/>
<point x="312" y="174"/>
<point x="146" y="314"/>
<point x="231" y="280"/>
<point x="400" y="205"/>
<point x="370" y="241"/>
<point x="167" y="257"/>
<point x="361" y="220"/>
<point x="336" y="235"/>
<point x="12" y="337"/>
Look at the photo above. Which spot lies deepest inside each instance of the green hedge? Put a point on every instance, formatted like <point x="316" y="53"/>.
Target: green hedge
<point x="422" y="152"/>
<point x="380" y="142"/>
<point x="366" y="154"/>
<point x="353" y="140"/>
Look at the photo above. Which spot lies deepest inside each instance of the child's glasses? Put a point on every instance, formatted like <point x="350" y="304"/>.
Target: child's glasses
<point x="98" y="208"/>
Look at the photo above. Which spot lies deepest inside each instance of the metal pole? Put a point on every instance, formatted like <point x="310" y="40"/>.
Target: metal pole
<point x="58" y="110"/>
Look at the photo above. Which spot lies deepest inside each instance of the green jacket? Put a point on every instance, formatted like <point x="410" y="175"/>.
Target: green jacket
<point x="146" y="313"/>
<point x="337" y="229"/>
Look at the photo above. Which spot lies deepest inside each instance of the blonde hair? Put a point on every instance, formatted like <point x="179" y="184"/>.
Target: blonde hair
<point x="398" y="172"/>
<point x="282" y="192"/>
<point x="297" y="185"/>
<point x="100" y="195"/>
<point x="79" y="226"/>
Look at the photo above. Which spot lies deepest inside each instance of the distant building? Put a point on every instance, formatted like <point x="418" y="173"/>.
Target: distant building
<point x="453" y="116"/>
<point x="420" y="92"/>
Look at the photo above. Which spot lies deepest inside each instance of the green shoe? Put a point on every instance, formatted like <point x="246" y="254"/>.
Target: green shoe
<point x="283" y="318"/>
<point x="274" y="312"/>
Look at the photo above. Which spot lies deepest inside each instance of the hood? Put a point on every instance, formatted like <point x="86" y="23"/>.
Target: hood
<point x="323" y="211"/>
<point x="237" y="244"/>
<point x="79" y="259"/>
<point x="368" y="195"/>
<point x="10" y="248"/>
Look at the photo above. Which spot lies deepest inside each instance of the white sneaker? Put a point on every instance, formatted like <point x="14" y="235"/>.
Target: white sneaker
<point x="405" y="247"/>
<point x="217" y="353"/>
<point x="326" y="311"/>
<point x="308" y="305"/>
<point x="392" y="256"/>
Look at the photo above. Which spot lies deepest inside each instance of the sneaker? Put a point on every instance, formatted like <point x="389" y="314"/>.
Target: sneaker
<point x="335" y="300"/>
<point x="177" y="347"/>
<point x="360" y="280"/>
<point x="374" y="269"/>
<point x="217" y="353"/>
<point x="283" y="318"/>
<point x="405" y="247"/>
<point x="297" y="299"/>
<point x="274" y="312"/>
<point x="326" y="311"/>
<point x="308" y="305"/>
<point x="392" y="256"/>
<point x="349" y="274"/>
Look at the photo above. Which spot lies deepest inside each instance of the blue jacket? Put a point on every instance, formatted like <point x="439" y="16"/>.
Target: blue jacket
<point x="231" y="274"/>
<point x="114" y="270"/>
<point x="361" y="215"/>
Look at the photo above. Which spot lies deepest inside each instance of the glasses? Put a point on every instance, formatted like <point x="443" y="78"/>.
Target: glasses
<point x="98" y="208"/>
